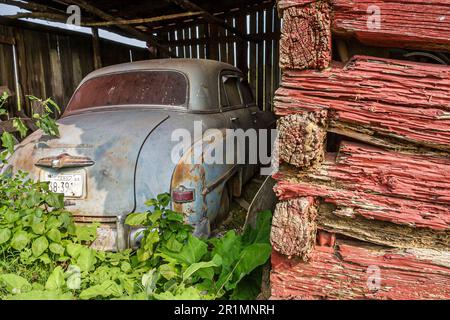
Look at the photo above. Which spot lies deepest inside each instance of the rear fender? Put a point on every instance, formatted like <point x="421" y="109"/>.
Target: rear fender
<point x="208" y="180"/>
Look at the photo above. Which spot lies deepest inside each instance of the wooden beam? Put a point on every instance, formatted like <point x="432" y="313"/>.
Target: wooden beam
<point x="144" y="20"/>
<point x="188" y="5"/>
<point x="132" y="31"/>
<point x="31" y="6"/>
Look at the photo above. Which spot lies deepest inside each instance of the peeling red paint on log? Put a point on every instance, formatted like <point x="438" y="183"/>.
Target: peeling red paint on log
<point x="347" y="270"/>
<point x="404" y="100"/>
<point x="360" y="167"/>
<point x="370" y="206"/>
<point x="418" y="24"/>
<point x="305" y="35"/>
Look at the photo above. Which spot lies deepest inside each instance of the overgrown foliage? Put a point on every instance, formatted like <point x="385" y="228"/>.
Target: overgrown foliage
<point x="43" y="120"/>
<point x="44" y="255"/>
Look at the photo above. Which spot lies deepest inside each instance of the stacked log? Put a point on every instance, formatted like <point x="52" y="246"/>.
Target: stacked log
<point x="364" y="147"/>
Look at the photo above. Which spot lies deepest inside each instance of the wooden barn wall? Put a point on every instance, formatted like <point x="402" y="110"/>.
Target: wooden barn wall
<point x="53" y="64"/>
<point x="259" y="60"/>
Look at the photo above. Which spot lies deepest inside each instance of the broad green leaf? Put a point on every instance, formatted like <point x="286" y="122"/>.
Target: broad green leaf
<point x="86" y="260"/>
<point x="56" y="248"/>
<point x="5" y="235"/>
<point x="55" y="200"/>
<point x="54" y="235"/>
<point x="136" y="219"/>
<point x="192" y="251"/>
<point x="151" y="238"/>
<point x="229" y="248"/>
<point x="11" y="216"/>
<point x="8" y="141"/>
<point x="39" y="246"/>
<point x="14" y="283"/>
<point x="53" y="222"/>
<point x="251" y="257"/>
<point x="73" y="277"/>
<point x="168" y="271"/>
<point x="37" y="225"/>
<point x="20" y="240"/>
<point x="261" y="234"/>
<point x="193" y="268"/>
<point x="189" y="293"/>
<point x="20" y="126"/>
<point x="56" y="279"/>
<point x="163" y="199"/>
<point x="86" y="233"/>
<point x="173" y="244"/>
<point x="107" y="289"/>
<point x="74" y="249"/>
<point x="150" y="280"/>
<point x="42" y="295"/>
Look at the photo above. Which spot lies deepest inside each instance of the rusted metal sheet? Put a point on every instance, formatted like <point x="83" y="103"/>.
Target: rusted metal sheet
<point x="357" y="270"/>
<point x="401" y="100"/>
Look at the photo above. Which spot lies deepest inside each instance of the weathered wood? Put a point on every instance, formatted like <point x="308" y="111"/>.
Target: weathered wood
<point x="355" y="270"/>
<point x="144" y="20"/>
<point x="294" y="227"/>
<point x="301" y="138"/>
<point x="419" y="24"/>
<point x="335" y="220"/>
<point x="305" y="35"/>
<point x="370" y="206"/>
<point x="96" y="49"/>
<point x="361" y="167"/>
<point x="132" y="31"/>
<point x="401" y="100"/>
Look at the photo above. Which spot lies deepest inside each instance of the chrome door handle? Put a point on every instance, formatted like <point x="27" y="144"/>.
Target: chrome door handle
<point x="234" y="118"/>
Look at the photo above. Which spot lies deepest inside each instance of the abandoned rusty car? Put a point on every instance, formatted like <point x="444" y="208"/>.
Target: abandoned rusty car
<point x="115" y="149"/>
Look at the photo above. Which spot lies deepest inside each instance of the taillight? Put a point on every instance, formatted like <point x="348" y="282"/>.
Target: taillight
<point x="182" y="194"/>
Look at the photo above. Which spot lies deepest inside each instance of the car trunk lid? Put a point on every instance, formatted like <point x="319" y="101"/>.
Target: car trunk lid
<point x="100" y="149"/>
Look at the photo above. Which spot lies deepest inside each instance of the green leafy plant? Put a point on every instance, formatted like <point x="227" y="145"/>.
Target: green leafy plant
<point x="43" y="120"/>
<point x="184" y="265"/>
<point x="44" y="255"/>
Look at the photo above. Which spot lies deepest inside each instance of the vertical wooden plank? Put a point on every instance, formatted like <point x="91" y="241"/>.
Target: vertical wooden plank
<point x="260" y="49"/>
<point x="242" y="45"/>
<point x="230" y="44"/>
<point x="222" y="44"/>
<point x="194" y="42"/>
<point x="201" y="47"/>
<point x="96" y="49"/>
<point x="212" y="49"/>
<point x="268" y="61"/>
<point x="253" y="57"/>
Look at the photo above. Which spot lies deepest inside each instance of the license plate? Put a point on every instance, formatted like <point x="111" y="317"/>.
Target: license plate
<point x="69" y="184"/>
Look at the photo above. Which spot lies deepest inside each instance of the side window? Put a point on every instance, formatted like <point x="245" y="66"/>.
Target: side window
<point x="230" y="86"/>
<point x="246" y="92"/>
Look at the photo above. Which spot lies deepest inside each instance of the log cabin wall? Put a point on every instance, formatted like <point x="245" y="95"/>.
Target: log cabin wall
<point x="364" y="205"/>
<point x="52" y="62"/>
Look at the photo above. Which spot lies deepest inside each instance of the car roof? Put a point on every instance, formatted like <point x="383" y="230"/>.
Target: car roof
<point x="202" y="74"/>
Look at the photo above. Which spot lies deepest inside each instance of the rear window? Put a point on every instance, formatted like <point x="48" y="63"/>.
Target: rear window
<point x="162" y="88"/>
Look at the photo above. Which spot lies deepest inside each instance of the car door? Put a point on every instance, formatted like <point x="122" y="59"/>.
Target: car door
<point x="239" y="116"/>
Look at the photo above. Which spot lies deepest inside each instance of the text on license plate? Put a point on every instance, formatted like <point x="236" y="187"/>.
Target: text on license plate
<point x="71" y="185"/>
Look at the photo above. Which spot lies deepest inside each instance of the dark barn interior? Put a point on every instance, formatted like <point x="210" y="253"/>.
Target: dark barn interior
<point x="50" y="62"/>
